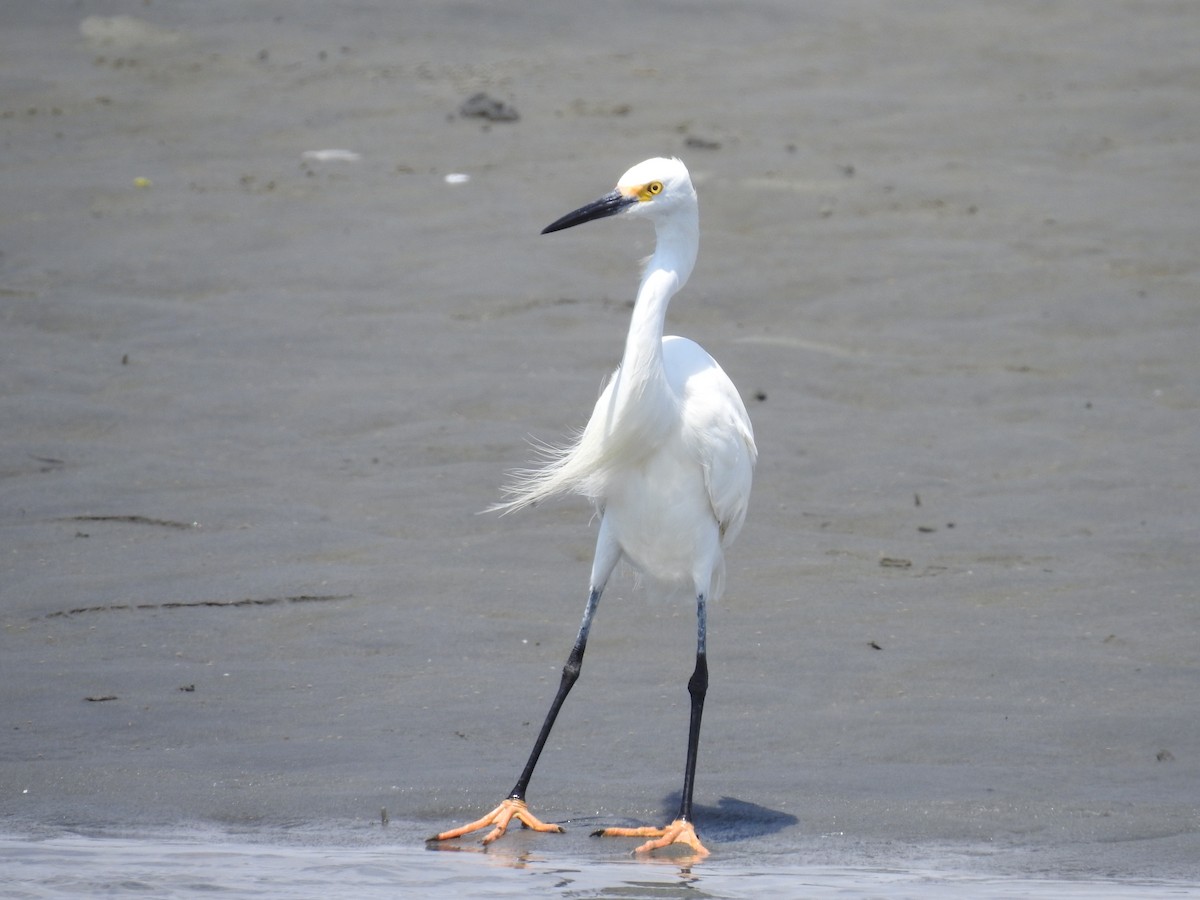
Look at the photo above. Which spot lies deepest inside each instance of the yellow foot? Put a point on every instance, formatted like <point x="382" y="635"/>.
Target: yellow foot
<point x="500" y="817"/>
<point x="681" y="831"/>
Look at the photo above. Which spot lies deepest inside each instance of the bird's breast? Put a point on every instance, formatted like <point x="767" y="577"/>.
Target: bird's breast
<point x="660" y="515"/>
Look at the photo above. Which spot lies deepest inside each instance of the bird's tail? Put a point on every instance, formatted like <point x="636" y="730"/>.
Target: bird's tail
<point x="618" y="435"/>
<point x="556" y="475"/>
<point x="583" y="466"/>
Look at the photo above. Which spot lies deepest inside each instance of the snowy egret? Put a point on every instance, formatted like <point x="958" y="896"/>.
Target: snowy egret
<point x="666" y="457"/>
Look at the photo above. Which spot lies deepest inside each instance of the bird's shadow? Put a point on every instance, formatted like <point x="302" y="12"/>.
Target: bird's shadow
<point x="730" y="820"/>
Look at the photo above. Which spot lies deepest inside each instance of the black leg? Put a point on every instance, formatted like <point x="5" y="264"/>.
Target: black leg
<point x="608" y="552"/>
<point x="697" y="688"/>
<point x="570" y="674"/>
<point x="682" y="830"/>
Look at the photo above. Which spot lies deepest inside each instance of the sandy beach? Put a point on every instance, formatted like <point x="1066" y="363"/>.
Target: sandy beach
<point x="254" y="394"/>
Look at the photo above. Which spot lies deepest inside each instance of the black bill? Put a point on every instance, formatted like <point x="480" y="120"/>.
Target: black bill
<point x="608" y="205"/>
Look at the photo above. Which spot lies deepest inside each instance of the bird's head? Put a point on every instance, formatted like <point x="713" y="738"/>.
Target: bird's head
<point x="654" y="188"/>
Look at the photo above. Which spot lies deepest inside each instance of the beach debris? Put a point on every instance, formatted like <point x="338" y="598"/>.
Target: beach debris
<point x="103" y="699"/>
<point x="135" y="520"/>
<point x="457" y="178"/>
<point x="332" y="155"/>
<point x="196" y="604"/>
<point x="891" y="562"/>
<point x="485" y="106"/>
<point x="48" y="463"/>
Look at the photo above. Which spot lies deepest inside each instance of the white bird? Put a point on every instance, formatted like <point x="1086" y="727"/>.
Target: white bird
<point x="666" y="458"/>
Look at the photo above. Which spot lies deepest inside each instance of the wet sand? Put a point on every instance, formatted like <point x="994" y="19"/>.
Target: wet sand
<point x="253" y="402"/>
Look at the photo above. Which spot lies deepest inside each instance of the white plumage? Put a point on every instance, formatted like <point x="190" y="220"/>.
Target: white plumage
<point x="666" y="457"/>
<point x="668" y="453"/>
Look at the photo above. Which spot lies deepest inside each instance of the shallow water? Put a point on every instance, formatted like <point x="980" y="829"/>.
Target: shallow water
<point x="183" y="865"/>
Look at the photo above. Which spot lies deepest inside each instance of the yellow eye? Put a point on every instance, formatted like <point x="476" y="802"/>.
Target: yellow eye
<point x="649" y="191"/>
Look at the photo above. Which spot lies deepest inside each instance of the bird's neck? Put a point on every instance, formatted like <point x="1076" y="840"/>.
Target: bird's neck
<point x="642" y="400"/>
<point x="666" y="273"/>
